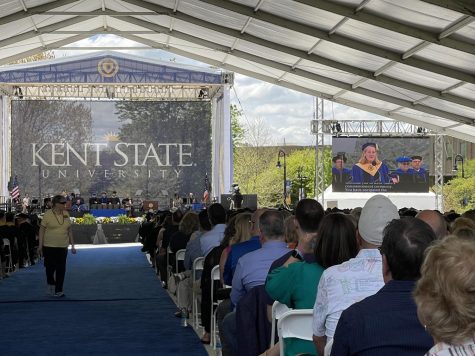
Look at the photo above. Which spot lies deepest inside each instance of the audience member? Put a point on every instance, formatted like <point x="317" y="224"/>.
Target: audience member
<point x="240" y="249"/>
<point x="295" y="283"/>
<point x="347" y="283"/>
<point x="212" y="260"/>
<point x="26" y="241"/>
<point x="193" y="251"/>
<point x="169" y="227"/>
<point x="217" y="218"/>
<point x="386" y="323"/>
<point x="290" y="232"/>
<point x="178" y="241"/>
<point x="462" y="223"/>
<point x="445" y="296"/>
<point x="435" y="220"/>
<point x="253" y="267"/>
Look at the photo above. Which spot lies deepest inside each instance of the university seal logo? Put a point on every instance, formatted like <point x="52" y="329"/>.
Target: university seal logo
<point x="108" y="67"/>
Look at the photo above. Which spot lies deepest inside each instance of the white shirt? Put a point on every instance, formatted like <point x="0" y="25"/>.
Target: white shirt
<point x="443" y="349"/>
<point x="343" y="285"/>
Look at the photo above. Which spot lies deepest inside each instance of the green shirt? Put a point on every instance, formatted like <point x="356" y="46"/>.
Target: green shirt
<point x="56" y="229"/>
<point x="295" y="286"/>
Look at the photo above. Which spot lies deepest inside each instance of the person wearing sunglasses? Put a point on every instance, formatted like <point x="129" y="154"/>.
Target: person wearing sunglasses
<point x="54" y="239"/>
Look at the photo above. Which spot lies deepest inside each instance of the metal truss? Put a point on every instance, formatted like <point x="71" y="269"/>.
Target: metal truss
<point x="156" y="92"/>
<point x="317" y="130"/>
<point x="372" y="128"/>
<point x="439" y="171"/>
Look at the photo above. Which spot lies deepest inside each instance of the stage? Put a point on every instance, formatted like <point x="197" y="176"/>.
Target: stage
<point x="114" y="233"/>
<point x="420" y="201"/>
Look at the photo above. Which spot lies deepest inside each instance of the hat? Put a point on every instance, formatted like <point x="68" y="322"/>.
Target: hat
<point x="417" y="157"/>
<point x="402" y="159"/>
<point x="339" y="156"/>
<point x="367" y="144"/>
<point x="22" y="216"/>
<point x="376" y="214"/>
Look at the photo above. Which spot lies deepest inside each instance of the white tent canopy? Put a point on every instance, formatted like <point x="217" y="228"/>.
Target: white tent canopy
<point x="409" y="60"/>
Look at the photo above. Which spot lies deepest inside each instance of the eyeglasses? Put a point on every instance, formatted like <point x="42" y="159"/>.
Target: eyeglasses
<point x="62" y="202"/>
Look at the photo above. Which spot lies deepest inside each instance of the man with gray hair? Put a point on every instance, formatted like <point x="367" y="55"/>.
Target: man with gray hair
<point x="252" y="268"/>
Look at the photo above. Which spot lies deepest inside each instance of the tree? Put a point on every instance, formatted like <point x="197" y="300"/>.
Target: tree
<point x="238" y="132"/>
<point x="459" y="193"/>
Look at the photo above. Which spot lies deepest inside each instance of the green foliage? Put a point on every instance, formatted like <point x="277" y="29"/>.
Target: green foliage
<point x="88" y="219"/>
<point x="256" y="172"/>
<point x="123" y="219"/>
<point x="238" y="132"/>
<point x="459" y="193"/>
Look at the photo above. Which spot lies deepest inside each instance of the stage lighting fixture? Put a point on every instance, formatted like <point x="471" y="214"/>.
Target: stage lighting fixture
<point x="458" y="158"/>
<point x="338" y="127"/>
<point x="203" y="93"/>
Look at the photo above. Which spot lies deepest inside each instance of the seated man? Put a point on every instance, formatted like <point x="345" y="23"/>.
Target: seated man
<point x="253" y="267"/>
<point x="93" y="200"/>
<point x="103" y="200"/>
<point x="347" y="283"/>
<point x="78" y="203"/>
<point x="386" y="323"/>
<point x="114" y="200"/>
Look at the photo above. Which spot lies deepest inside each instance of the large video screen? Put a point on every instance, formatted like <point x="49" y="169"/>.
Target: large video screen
<point x="369" y="164"/>
<point x="158" y="147"/>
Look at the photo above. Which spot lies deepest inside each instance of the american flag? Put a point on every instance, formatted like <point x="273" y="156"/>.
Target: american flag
<point x="15" y="192"/>
<point x="207" y="189"/>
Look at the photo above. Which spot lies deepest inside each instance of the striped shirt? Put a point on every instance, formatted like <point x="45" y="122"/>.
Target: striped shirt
<point x="467" y="348"/>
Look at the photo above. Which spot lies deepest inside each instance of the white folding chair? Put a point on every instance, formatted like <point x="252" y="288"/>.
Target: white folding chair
<point x="215" y="276"/>
<point x="8" y="255"/>
<point x="278" y="309"/>
<point x="198" y="264"/>
<point x="169" y="268"/>
<point x="296" y="323"/>
<point x="179" y="256"/>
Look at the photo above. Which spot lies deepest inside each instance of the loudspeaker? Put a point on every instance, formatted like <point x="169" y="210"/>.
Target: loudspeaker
<point x="249" y="201"/>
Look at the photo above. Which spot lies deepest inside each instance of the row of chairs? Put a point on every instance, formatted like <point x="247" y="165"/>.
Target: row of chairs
<point x="8" y="255"/>
<point x="295" y="323"/>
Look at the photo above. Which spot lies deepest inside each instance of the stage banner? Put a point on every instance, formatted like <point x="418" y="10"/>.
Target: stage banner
<point x="385" y="165"/>
<point x="157" y="147"/>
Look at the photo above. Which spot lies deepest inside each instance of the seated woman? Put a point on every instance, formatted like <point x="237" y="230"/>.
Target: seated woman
<point x="295" y="283"/>
<point x="212" y="260"/>
<point x="369" y="168"/>
<point x="445" y="296"/>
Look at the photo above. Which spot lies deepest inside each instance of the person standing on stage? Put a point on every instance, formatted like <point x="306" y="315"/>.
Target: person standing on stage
<point x="54" y="238"/>
<point x="25" y="206"/>
<point x="340" y="174"/>
<point x="369" y="168"/>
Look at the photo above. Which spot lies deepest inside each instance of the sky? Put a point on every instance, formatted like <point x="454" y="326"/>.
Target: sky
<point x="286" y="114"/>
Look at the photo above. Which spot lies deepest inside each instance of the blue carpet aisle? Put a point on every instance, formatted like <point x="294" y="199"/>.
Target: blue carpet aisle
<point x="114" y="305"/>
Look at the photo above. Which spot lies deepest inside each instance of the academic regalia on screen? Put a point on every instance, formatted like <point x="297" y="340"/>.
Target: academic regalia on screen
<point x="421" y="175"/>
<point x="400" y="171"/>
<point x="341" y="175"/>
<point x="369" y="173"/>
